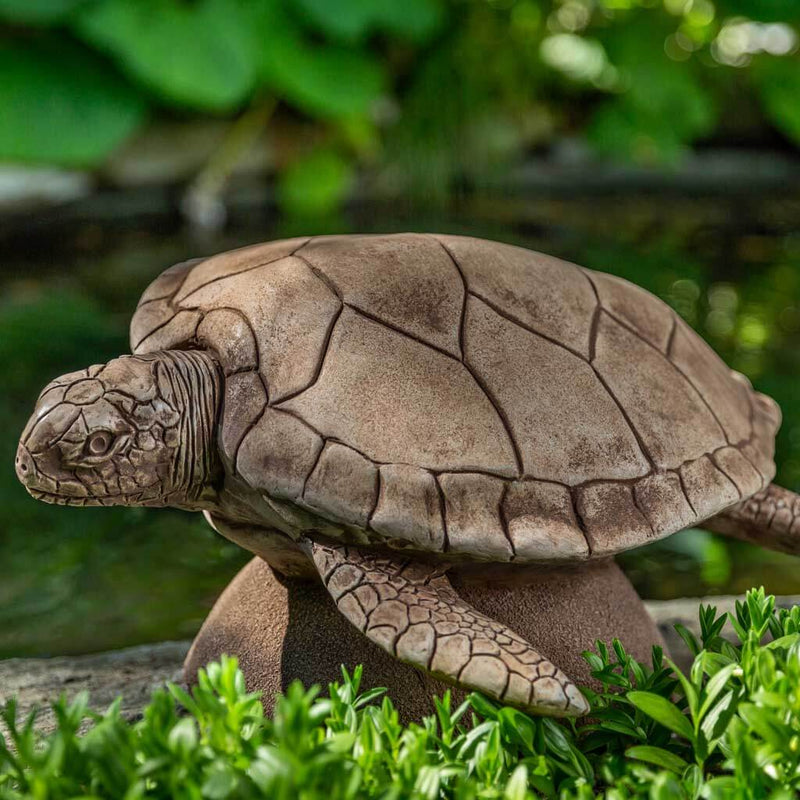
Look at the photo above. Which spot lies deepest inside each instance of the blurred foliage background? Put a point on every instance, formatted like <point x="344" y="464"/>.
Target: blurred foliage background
<point x="423" y="93"/>
<point x="596" y="130"/>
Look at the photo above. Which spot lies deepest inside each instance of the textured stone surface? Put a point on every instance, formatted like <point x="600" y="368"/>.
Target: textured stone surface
<point x="277" y="454"/>
<point x="291" y="311"/>
<point x="706" y="486"/>
<point x="613" y="522"/>
<point x="245" y="398"/>
<point x="652" y="319"/>
<point x="229" y="334"/>
<point x="474" y="525"/>
<point x="668" y="413"/>
<point x="712" y="377"/>
<point x="180" y="328"/>
<point x="409" y="509"/>
<point x="399" y="401"/>
<point x="541" y="522"/>
<point x="135" y="672"/>
<point x="741" y="472"/>
<point x="545" y="392"/>
<point x="343" y="484"/>
<point x="661" y="500"/>
<point x="287" y="629"/>
<point x="544" y="293"/>
<point x="409" y="283"/>
<point x="431" y="354"/>
<point x="233" y="262"/>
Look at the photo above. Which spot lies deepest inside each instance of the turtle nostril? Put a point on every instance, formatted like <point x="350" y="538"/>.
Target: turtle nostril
<point x="24" y="464"/>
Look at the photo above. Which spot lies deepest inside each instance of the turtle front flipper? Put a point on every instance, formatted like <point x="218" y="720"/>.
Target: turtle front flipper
<point x="411" y="610"/>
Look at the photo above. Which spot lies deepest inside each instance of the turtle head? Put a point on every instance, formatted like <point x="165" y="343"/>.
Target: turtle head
<point x="137" y="431"/>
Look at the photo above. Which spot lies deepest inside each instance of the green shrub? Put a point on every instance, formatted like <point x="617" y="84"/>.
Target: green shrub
<point x="431" y="90"/>
<point x="728" y="729"/>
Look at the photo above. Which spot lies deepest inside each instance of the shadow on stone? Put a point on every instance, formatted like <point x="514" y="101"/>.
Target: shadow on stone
<point x="285" y="629"/>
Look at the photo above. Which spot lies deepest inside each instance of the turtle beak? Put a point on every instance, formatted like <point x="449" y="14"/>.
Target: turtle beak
<point x="38" y="462"/>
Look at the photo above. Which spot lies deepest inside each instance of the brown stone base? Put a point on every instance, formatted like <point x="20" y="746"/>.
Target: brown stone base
<point x="283" y="629"/>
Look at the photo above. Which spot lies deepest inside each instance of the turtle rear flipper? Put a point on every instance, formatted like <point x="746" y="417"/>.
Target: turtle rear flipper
<point x="411" y="610"/>
<point x="770" y="518"/>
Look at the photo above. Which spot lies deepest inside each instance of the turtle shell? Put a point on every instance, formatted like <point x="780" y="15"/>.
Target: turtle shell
<point x="447" y="393"/>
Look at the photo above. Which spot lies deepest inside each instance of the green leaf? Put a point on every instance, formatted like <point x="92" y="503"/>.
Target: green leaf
<point x="353" y="20"/>
<point x="778" y="82"/>
<point x="715" y="685"/>
<point x="62" y="105"/>
<point x="37" y="12"/>
<point x="657" y="756"/>
<point x="661" y="106"/>
<point x="517" y="786"/>
<point x="662" y="711"/>
<point x="197" y="54"/>
<point x="322" y="79"/>
<point x="316" y="185"/>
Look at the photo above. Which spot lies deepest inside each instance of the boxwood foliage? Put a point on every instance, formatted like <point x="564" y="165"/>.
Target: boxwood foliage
<point x="730" y="728"/>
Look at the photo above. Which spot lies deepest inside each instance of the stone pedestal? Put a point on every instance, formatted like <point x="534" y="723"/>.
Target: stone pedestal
<point x="284" y="629"/>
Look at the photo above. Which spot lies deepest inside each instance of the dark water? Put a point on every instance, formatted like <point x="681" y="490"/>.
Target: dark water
<point x="78" y="580"/>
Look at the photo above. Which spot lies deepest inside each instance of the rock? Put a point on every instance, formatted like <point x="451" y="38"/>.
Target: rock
<point x="287" y="629"/>
<point x="134" y="672"/>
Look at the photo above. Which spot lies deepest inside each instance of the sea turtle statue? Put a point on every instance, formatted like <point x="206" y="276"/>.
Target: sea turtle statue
<point x="385" y="411"/>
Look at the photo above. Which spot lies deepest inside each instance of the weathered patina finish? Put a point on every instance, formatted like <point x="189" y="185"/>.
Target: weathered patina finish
<point x="385" y="410"/>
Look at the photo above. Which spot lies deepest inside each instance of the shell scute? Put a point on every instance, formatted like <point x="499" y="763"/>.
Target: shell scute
<point x="277" y="454"/>
<point x="652" y="319"/>
<point x="544" y="293"/>
<point x="613" y="522"/>
<point x="343" y="485"/>
<point x="291" y="312"/>
<point x="541" y="522"/>
<point x="168" y="282"/>
<point x="179" y="328"/>
<point x="417" y="407"/>
<point x="233" y="262"/>
<point x="245" y="399"/>
<point x="714" y="381"/>
<point x="746" y="477"/>
<point x="474" y="525"/>
<point x="409" y="282"/>
<point x="666" y="411"/>
<point x="409" y="507"/>
<point x="707" y="488"/>
<point x="661" y="499"/>
<point x="230" y="335"/>
<point x="545" y="392"/>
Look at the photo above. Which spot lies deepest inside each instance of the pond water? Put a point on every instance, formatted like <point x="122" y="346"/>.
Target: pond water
<point x="82" y="580"/>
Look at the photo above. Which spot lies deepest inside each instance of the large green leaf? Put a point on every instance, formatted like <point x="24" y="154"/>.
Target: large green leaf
<point x="663" y="712"/>
<point x="778" y="83"/>
<point x="37" y="12"/>
<point x="351" y="20"/>
<point x="322" y="79"/>
<point x="62" y="105"/>
<point x="193" y="54"/>
<point x="662" y="106"/>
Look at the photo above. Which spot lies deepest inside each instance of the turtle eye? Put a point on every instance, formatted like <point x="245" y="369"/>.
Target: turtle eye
<point x="99" y="443"/>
